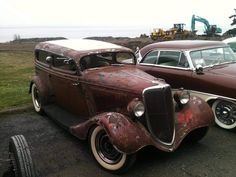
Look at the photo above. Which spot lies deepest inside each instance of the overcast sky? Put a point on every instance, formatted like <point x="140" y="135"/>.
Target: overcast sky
<point x="146" y="13"/>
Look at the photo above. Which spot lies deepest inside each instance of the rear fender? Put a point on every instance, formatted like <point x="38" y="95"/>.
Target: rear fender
<point x="126" y="135"/>
<point x="43" y="90"/>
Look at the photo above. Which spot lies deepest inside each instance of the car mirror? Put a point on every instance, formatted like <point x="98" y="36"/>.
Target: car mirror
<point x="49" y="59"/>
<point x="199" y="69"/>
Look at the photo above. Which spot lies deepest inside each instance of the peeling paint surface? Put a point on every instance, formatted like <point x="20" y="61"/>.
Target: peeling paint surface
<point x="106" y="96"/>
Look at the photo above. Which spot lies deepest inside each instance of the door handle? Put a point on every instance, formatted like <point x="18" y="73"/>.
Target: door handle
<point x="75" y="84"/>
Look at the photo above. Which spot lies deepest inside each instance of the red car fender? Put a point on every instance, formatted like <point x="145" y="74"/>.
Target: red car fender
<point x="196" y="114"/>
<point x="126" y="135"/>
<point x="130" y="136"/>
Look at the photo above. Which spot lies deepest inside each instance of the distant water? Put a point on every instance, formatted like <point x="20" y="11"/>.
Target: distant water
<point x="7" y="33"/>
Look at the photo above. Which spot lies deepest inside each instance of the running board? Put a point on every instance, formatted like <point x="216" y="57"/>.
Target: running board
<point x="62" y="117"/>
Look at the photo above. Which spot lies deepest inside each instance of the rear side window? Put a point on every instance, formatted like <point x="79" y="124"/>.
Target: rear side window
<point x="64" y="63"/>
<point x="233" y="46"/>
<point x="41" y="56"/>
<point x="169" y="58"/>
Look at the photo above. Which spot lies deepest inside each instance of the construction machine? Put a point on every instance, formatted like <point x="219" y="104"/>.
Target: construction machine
<point x="210" y="30"/>
<point x="176" y="32"/>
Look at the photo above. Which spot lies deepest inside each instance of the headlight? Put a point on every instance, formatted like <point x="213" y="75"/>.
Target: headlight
<point x="182" y="97"/>
<point x="139" y="109"/>
<point x="136" y="108"/>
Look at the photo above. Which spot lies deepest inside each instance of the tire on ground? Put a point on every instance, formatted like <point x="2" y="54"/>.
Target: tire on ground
<point x="196" y="135"/>
<point x="36" y="99"/>
<point x="224" y="112"/>
<point x="21" y="163"/>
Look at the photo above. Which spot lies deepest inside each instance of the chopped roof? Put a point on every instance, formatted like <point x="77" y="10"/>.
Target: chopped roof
<point x="84" y="44"/>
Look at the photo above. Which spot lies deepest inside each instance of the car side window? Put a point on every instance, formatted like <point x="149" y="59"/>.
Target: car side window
<point x="169" y="58"/>
<point x="183" y="62"/>
<point x="64" y="63"/>
<point x="233" y="46"/>
<point x="41" y="55"/>
<point x="151" y="57"/>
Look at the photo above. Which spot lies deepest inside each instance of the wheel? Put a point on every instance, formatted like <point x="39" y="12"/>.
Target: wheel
<point x="197" y="134"/>
<point x="105" y="153"/>
<point x="21" y="164"/>
<point x="36" y="99"/>
<point x="225" y="114"/>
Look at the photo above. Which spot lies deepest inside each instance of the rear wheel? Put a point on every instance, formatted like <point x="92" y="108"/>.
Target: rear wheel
<point x="21" y="164"/>
<point x="225" y="114"/>
<point x="36" y="99"/>
<point x="105" y="153"/>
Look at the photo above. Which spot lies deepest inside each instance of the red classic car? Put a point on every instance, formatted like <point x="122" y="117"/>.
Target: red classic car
<point x="94" y="90"/>
<point x="206" y="68"/>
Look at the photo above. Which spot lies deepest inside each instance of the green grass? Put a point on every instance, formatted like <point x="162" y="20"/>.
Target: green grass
<point x="16" y="71"/>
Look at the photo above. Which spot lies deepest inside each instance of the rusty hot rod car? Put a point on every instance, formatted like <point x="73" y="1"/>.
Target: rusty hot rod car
<point x="94" y="90"/>
<point x="206" y="68"/>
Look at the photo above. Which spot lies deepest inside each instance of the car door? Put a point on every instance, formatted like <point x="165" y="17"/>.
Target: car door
<point x="172" y="66"/>
<point x="66" y="86"/>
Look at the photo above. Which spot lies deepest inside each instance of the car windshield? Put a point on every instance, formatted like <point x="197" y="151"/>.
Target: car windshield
<point x="106" y="59"/>
<point x="213" y="56"/>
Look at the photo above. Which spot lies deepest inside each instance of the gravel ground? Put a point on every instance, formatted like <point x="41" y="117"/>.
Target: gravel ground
<point x="56" y="153"/>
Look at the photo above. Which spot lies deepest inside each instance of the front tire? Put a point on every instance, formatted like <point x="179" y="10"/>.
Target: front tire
<point x="225" y="114"/>
<point x="36" y="99"/>
<point x="105" y="153"/>
<point x="196" y="135"/>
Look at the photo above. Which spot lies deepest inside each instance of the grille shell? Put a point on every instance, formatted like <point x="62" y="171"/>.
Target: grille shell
<point x="160" y="112"/>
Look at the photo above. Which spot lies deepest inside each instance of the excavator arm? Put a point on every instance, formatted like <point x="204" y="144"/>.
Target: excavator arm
<point x="209" y="29"/>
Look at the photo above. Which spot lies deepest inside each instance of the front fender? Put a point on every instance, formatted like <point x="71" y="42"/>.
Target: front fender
<point x="126" y="135"/>
<point x="196" y="114"/>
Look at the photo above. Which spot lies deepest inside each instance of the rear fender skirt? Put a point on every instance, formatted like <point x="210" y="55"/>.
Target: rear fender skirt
<point x="126" y="135"/>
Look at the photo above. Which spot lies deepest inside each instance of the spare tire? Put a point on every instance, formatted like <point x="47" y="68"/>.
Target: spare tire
<point x="21" y="163"/>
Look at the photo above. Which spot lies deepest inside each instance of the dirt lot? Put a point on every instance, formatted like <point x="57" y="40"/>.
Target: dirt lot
<point x="57" y="154"/>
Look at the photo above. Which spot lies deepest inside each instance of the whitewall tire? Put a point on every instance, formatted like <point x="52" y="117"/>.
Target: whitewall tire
<point x="105" y="153"/>
<point x="225" y="114"/>
<point x="36" y="98"/>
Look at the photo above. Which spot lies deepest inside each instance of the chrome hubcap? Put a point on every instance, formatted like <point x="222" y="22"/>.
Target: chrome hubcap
<point x="105" y="149"/>
<point x="226" y="112"/>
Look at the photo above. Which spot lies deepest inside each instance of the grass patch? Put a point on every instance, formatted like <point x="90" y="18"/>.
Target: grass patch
<point x="16" y="71"/>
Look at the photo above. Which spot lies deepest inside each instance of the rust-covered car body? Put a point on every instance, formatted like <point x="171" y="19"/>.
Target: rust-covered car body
<point x="206" y="68"/>
<point x="134" y="108"/>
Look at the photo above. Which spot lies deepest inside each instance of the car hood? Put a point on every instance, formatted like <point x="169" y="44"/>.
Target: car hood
<point x="121" y="77"/>
<point x="226" y="70"/>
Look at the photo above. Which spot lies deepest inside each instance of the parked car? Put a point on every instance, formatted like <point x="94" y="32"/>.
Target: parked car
<point x="231" y="42"/>
<point x="206" y="68"/>
<point x="94" y="90"/>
